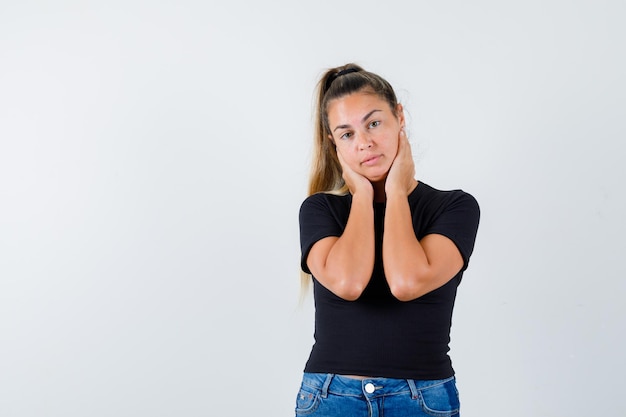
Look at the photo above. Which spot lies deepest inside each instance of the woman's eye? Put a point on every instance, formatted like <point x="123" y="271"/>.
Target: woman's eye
<point x="346" y="135"/>
<point x="374" y="123"/>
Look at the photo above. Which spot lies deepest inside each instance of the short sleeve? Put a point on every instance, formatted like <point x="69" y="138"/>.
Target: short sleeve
<point x="321" y="215"/>
<point x="458" y="221"/>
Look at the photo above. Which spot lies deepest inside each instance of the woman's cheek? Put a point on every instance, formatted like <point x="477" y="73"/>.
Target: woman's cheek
<point x="354" y="165"/>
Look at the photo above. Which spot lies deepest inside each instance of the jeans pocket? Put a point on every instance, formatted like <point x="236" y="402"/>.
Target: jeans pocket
<point x="308" y="400"/>
<point x="441" y="400"/>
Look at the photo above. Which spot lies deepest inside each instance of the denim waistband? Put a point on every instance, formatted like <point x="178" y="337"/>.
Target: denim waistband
<point x="370" y="387"/>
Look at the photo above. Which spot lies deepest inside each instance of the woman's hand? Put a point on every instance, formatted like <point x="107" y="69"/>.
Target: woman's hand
<point x="401" y="177"/>
<point x="355" y="181"/>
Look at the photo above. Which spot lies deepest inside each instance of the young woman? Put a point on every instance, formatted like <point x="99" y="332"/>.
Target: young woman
<point x="385" y="253"/>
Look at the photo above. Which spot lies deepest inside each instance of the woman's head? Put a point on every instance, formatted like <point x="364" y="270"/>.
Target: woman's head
<point x="337" y="89"/>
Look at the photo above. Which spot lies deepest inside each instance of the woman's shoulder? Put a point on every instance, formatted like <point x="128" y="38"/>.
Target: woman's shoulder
<point x="425" y="194"/>
<point x="326" y="200"/>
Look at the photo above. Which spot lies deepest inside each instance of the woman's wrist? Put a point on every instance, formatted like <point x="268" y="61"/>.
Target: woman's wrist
<point x="363" y="194"/>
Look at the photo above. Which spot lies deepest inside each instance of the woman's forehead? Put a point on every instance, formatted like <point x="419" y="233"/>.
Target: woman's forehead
<point x="355" y="105"/>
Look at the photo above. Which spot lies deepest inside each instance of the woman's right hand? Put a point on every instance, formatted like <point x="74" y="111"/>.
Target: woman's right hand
<point x="356" y="182"/>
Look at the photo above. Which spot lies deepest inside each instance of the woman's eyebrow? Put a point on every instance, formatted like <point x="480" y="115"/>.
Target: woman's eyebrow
<point x="367" y="116"/>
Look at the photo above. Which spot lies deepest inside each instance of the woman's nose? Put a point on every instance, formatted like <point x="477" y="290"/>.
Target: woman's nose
<point x="364" y="141"/>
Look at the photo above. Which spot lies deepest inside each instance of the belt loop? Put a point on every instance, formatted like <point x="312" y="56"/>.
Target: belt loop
<point x="413" y="388"/>
<point x="329" y="377"/>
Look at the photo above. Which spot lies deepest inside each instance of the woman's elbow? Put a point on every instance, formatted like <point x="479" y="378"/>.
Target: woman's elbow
<point x="405" y="289"/>
<point x="349" y="291"/>
<point x="403" y="295"/>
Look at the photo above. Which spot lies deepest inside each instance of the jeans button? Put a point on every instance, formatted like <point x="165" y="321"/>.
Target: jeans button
<point x="370" y="388"/>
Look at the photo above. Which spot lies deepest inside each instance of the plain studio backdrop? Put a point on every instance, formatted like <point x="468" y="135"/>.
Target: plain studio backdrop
<point x="154" y="155"/>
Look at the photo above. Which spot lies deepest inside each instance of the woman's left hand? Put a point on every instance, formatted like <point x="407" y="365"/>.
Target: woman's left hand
<point x="401" y="177"/>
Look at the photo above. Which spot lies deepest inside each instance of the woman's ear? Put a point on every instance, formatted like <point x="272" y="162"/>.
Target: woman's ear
<point x="400" y="115"/>
<point x="331" y="139"/>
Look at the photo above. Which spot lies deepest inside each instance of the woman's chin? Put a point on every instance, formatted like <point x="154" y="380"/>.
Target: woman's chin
<point x="377" y="178"/>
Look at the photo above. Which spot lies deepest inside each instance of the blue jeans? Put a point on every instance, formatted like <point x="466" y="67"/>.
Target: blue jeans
<point x="329" y="395"/>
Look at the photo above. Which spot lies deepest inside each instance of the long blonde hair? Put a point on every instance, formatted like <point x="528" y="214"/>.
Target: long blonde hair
<point x="326" y="173"/>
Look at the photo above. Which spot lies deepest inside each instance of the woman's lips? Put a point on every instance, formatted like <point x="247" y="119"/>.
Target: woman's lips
<point x="370" y="160"/>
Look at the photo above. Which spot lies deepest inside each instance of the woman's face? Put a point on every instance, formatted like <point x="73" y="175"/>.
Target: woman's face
<point x="365" y="131"/>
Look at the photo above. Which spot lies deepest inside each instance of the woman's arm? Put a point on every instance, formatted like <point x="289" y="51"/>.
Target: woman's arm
<point x="344" y="264"/>
<point x="413" y="268"/>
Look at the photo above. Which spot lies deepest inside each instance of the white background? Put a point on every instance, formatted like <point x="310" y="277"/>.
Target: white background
<point x="154" y="155"/>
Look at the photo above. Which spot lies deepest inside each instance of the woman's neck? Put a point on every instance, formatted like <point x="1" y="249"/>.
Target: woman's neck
<point x="379" y="191"/>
